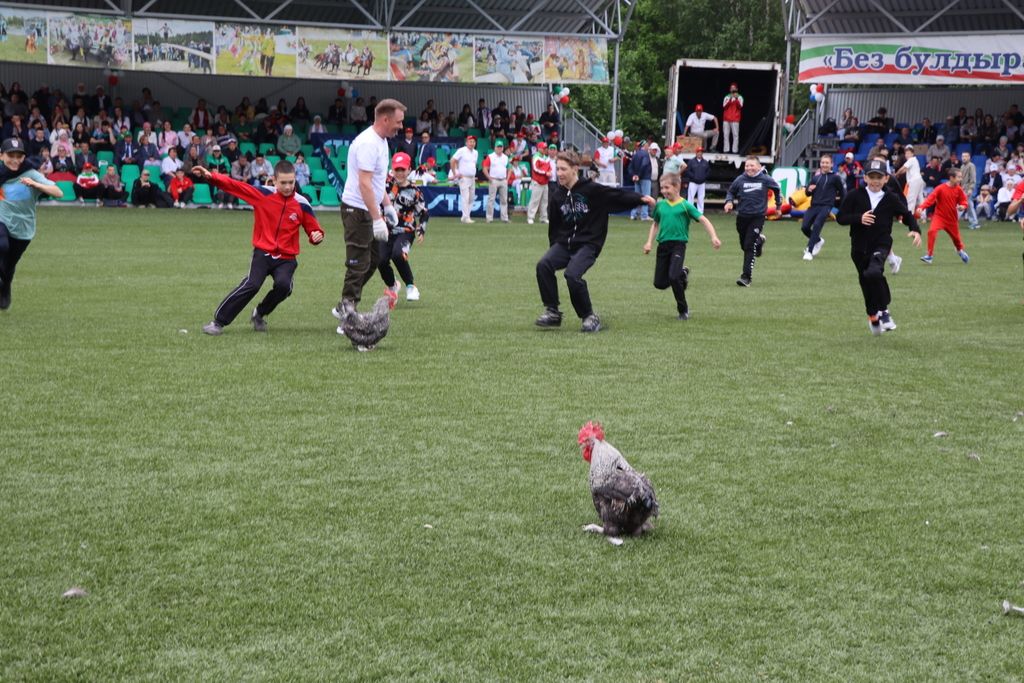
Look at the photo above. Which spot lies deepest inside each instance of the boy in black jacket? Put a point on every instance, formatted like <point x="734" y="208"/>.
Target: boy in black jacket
<point x="749" y="193"/>
<point x="578" y="211"/>
<point x="869" y="211"/>
<point x="825" y="189"/>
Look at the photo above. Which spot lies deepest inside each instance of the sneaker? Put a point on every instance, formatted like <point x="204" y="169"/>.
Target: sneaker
<point x="549" y="318"/>
<point x="411" y="293"/>
<point x="591" y="323"/>
<point x="470" y="220"/>
<point x="685" y="315"/>
<point x="213" y="328"/>
<point x="743" y="281"/>
<point x="81" y="200"/>
<point x="818" y="246"/>
<point x="875" y="326"/>
<point x="963" y="256"/>
<point x="759" y="247"/>
<point x="927" y="259"/>
<point x="894" y="263"/>
<point x="529" y="221"/>
<point x="259" y="323"/>
<point x="5" y="297"/>
<point x="886" y="321"/>
<point x="808" y="256"/>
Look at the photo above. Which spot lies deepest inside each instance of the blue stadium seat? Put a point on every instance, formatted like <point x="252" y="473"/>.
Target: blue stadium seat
<point x="890" y="138"/>
<point x="838" y="159"/>
<point x="902" y="125"/>
<point x="870" y="138"/>
<point x="963" y="147"/>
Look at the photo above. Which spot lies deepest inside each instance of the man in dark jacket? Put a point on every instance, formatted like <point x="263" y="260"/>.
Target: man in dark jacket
<point x="749" y="194"/>
<point x="639" y="172"/>
<point x="578" y="213"/>
<point x="696" y="174"/>
<point x="825" y="189"/>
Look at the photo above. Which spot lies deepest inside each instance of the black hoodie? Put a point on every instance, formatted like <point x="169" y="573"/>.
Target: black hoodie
<point x="580" y="215"/>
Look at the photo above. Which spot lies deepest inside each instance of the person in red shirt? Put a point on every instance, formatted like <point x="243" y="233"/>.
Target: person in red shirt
<point x="732" y="112"/>
<point x="946" y="198"/>
<point x="1015" y="201"/>
<point x="278" y="215"/>
<point x="181" y="188"/>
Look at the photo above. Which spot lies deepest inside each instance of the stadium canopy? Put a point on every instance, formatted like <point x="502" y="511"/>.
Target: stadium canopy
<point x="846" y="18"/>
<point x="582" y="18"/>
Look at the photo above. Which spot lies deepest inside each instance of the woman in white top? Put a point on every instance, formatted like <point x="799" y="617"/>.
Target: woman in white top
<point x="915" y="183"/>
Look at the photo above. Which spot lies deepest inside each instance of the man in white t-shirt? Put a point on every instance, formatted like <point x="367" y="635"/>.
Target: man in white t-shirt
<point x="604" y="157"/>
<point x="915" y="183"/>
<point x="464" y="172"/>
<point x="364" y="203"/>
<point x="697" y="125"/>
<point x="496" y="170"/>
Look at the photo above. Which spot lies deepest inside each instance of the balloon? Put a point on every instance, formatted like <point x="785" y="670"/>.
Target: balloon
<point x="618" y="133"/>
<point x="618" y="140"/>
<point x="785" y="209"/>
<point x="611" y="135"/>
<point x="341" y="92"/>
<point x="791" y="118"/>
<point x="819" y="97"/>
<point x="820" y="88"/>
<point x="112" y="79"/>
<point x="564" y="99"/>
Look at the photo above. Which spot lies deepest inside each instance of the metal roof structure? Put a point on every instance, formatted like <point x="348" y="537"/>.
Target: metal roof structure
<point x="605" y="18"/>
<point x="901" y="17"/>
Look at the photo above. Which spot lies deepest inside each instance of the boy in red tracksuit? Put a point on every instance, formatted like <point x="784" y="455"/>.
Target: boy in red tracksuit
<point x="946" y="198"/>
<point x="278" y="215"/>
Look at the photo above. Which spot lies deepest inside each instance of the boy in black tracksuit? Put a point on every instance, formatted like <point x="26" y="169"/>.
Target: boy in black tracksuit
<point x="826" y="190"/>
<point x="578" y="211"/>
<point x="870" y="211"/>
<point x="749" y="193"/>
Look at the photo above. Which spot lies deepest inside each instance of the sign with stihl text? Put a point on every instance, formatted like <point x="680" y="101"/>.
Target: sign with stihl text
<point x="991" y="59"/>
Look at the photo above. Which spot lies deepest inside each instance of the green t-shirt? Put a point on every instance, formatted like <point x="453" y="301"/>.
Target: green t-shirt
<point x="673" y="219"/>
<point x="18" y="205"/>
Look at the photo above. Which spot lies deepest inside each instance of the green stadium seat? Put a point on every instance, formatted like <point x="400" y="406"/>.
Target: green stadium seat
<point x="68" y="188"/>
<point x="201" y="194"/>
<point x="272" y="159"/>
<point x="349" y="129"/>
<point x="267" y="148"/>
<point x="105" y="156"/>
<point x="474" y="131"/>
<point x="247" y="148"/>
<point x="311" y="191"/>
<point x="129" y="174"/>
<point x="307" y="150"/>
<point x="329" y="197"/>
<point x="318" y="176"/>
<point x="315" y="163"/>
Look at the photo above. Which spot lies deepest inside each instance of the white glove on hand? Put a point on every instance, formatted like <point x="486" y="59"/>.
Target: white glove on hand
<point x="390" y="215"/>
<point x="380" y="230"/>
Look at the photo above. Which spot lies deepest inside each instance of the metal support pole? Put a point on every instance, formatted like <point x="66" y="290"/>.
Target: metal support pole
<point x="615" y="88"/>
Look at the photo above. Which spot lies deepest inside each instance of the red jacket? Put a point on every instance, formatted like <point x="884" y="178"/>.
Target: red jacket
<point x="277" y="218"/>
<point x="178" y="186"/>
<point x="945" y="198"/>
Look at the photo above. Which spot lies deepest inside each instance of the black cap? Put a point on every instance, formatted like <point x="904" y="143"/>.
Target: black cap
<point x="878" y="167"/>
<point x="13" y="145"/>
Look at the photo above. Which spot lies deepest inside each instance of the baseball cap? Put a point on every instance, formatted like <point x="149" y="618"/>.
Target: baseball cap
<point x="401" y="160"/>
<point x="849" y="155"/>
<point x="604" y="139"/>
<point x="87" y="166"/>
<point x="876" y="167"/>
<point x="470" y="137"/>
<point x="408" y="130"/>
<point x="699" y="107"/>
<point x="13" y="145"/>
<point x="499" y="143"/>
<point x="699" y="149"/>
<point x="939" y="137"/>
<point x="215" y="148"/>
<point x="542" y="145"/>
<point x="733" y="85"/>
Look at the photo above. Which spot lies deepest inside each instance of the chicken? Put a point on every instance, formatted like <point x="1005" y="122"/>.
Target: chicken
<point x="624" y="498"/>
<point x="365" y="330"/>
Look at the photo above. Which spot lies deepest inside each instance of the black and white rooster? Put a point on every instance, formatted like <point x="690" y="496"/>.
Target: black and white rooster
<point x="624" y="498"/>
<point x="365" y="330"/>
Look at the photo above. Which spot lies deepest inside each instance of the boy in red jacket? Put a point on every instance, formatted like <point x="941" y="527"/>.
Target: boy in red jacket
<point x="278" y="215"/>
<point x="946" y="198"/>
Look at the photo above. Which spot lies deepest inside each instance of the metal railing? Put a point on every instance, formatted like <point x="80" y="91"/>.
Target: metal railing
<point x="803" y="135"/>
<point x="579" y="134"/>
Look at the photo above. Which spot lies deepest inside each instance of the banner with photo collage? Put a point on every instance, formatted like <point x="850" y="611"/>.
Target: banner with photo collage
<point x="254" y="50"/>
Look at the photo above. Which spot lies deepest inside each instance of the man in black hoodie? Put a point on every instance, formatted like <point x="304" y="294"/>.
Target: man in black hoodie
<point x="578" y="211"/>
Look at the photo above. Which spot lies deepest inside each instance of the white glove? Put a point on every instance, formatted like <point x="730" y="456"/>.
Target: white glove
<point x="380" y="230"/>
<point x="390" y="215"/>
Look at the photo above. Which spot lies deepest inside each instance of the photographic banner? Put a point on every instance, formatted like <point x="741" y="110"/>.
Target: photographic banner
<point x="994" y="59"/>
<point x="163" y="45"/>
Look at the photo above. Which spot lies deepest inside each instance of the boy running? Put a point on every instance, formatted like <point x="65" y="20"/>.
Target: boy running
<point x="412" y="222"/>
<point x="672" y="215"/>
<point x="749" y="193"/>
<point x="869" y="211"/>
<point x="946" y="198"/>
<point x="22" y="185"/>
<point x="277" y="216"/>
<point x="825" y="190"/>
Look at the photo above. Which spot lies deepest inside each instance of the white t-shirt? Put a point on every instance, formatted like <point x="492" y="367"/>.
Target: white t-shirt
<point x="604" y="156"/>
<point x="465" y="158"/>
<point x="169" y="165"/>
<point x="369" y="152"/>
<point x="498" y="166"/>
<point x="695" y="122"/>
<point x="875" y="197"/>
<point x="913" y="170"/>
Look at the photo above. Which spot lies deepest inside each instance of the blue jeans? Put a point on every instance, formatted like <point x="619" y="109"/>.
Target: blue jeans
<point x="642" y="187"/>
<point x="970" y="214"/>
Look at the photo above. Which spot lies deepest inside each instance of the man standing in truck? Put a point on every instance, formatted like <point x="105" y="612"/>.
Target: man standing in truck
<point x="732" y="112"/>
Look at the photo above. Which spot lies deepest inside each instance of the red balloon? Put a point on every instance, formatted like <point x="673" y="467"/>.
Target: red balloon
<point x="112" y="79"/>
<point x="564" y="99"/>
<point x="618" y="140"/>
<point x="791" y="118"/>
<point x="820" y="87"/>
<point x="341" y="92"/>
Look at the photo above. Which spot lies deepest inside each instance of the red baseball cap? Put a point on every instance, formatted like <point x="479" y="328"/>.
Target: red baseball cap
<point x="733" y="85"/>
<point x="542" y="145"/>
<point x="401" y="160"/>
<point x="604" y="139"/>
<point x="699" y="149"/>
<point x="408" y="130"/>
<point x="470" y="137"/>
<point x="699" y="107"/>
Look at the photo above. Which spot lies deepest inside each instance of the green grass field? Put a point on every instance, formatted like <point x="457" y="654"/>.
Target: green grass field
<point x="253" y="506"/>
<point x="284" y="65"/>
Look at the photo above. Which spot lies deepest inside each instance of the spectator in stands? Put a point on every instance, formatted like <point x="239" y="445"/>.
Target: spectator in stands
<point x="166" y="139"/>
<point x="64" y="164"/>
<point x="37" y="143"/>
<point x="969" y="181"/>
<point x="932" y="175"/>
<point x="985" y="206"/>
<point x="208" y="139"/>
<point x="444" y="124"/>
<point x="87" y="185"/>
<point x="358" y="114"/>
<point x="423" y="124"/>
<point x="1003" y="199"/>
<point x="430" y="113"/>
<point x="926" y="133"/>
<point x="79" y="135"/>
<point x="371" y="107"/>
<point x="466" y="120"/>
<point x="240" y="172"/>
<point x="299" y="112"/>
<point x="144" y="192"/>
<point x="124" y="150"/>
<point x="852" y="133"/>
<point x="880" y="123"/>
<point x="424" y="150"/>
<point x="406" y="144"/>
<point x="302" y="173"/>
<point x="499" y="128"/>
<point x="1010" y="129"/>
<point x="877" y="148"/>
<point x="170" y="165"/>
<point x="147" y="154"/>
<point x="550" y="122"/>
<point x="181" y="188"/>
<point x="519" y="149"/>
<point x="993" y="177"/>
<point x="988" y="132"/>
<point x="245" y="129"/>
<point x="337" y="112"/>
<point x="45" y="163"/>
<point x="1002" y="148"/>
<point x="84" y="155"/>
<point x="939" y="149"/>
<point x="260" y="170"/>
<point x="968" y="129"/>
<point x="317" y="127"/>
<point x="111" y="187"/>
<point x="200" y="117"/>
<point x="103" y="138"/>
<point x="289" y="143"/>
<point x="905" y="138"/>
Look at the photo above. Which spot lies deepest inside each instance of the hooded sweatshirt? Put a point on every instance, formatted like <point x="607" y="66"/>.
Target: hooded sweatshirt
<point x="750" y="194"/>
<point x="580" y="216"/>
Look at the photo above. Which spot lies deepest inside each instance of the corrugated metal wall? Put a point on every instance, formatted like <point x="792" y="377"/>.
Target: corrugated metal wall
<point x="910" y="105"/>
<point x="179" y="90"/>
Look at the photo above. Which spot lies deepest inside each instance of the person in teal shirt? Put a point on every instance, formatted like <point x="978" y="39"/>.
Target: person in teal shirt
<point x="21" y="187"/>
<point x="671" y="227"/>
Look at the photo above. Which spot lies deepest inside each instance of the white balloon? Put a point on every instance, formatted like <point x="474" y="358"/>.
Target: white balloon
<point x="618" y="133"/>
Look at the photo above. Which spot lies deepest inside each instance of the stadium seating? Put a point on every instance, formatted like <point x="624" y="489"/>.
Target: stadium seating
<point x="312" y="192"/>
<point x="329" y="197"/>
<point x="68" y="188"/>
<point x="201" y="194"/>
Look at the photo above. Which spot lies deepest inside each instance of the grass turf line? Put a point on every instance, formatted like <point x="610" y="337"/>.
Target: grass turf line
<point x="253" y="505"/>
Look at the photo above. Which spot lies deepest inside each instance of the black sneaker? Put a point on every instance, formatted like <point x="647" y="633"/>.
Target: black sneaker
<point x="743" y="281"/>
<point x="685" y="315"/>
<point x="759" y="245"/>
<point x="549" y="318"/>
<point x="259" y="323"/>
<point x="5" y="297"/>
<point x="591" y="323"/>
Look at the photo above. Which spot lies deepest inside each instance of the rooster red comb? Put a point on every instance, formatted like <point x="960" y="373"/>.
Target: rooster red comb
<point x="591" y="430"/>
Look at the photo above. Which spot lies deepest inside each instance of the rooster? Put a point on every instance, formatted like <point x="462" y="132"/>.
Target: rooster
<point x="623" y="497"/>
<point x="365" y="330"/>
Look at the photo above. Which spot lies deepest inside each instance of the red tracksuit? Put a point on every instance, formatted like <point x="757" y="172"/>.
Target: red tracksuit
<point x="945" y="198"/>
<point x="277" y="219"/>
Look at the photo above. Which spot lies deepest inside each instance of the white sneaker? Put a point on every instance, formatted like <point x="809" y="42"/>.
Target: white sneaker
<point x="411" y="293"/>
<point x="529" y="221"/>
<point x="470" y="220"/>
<point x="808" y="256"/>
<point x="818" y="246"/>
<point x="895" y="262"/>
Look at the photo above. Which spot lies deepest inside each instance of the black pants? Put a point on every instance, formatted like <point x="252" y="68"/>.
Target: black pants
<point x="396" y="250"/>
<point x="88" y="192"/>
<point x="870" y="271"/>
<point x="749" y="229"/>
<point x="280" y="269"/>
<point x="576" y="262"/>
<point x="814" y="221"/>
<point x="668" y="271"/>
<point x="361" y="254"/>
<point x="11" y="249"/>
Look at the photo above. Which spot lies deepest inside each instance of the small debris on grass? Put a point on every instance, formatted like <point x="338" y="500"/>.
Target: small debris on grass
<point x="1018" y="415"/>
<point x="974" y="456"/>
<point x="75" y="592"/>
<point x="829" y="409"/>
<point x="927" y="523"/>
<point x="939" y="435"/>
<point x="789" y="423"/>
<point x="984" y="547"/>
<point x="183" y="331"/>
<point x="428" y="526"/>
<point x="1010" y="608"/>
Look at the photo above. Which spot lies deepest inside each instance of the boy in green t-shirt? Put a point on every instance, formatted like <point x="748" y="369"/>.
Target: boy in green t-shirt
<point x="21" y="186"/>
<point x="672" y="216"/>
